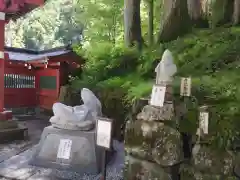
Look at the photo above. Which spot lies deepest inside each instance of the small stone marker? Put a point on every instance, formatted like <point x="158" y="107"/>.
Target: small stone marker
<point x="165" y="68"/>
<point x="158" y="95"/>
<point x="203" y="120"/>
<point x="164" y="72"/>
<point x="64" y="149"/>
<point x="185" y="87"/>
<point x="104" y="140"/>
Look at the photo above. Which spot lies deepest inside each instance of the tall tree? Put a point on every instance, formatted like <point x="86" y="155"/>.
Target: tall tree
<point x="132" y="23"/>
<point x="174" y="20"/>
<point x="150" y="21"/>
<point x="236" y="12"/>
<point x="196" y="13"/>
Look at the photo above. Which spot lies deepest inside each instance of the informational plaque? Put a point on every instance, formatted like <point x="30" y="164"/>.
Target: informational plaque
<point x="203" y="122"/>
<point x="64" y="149"/>
<point x="104" y="132"/>
<point x="186" y="84"/>
<point x="158" y="95"/>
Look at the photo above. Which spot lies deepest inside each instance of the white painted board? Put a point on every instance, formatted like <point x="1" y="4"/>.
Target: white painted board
<point x="64" y="149"/>
<point x="104" y="129"/>
<point x="158" y="95"/>
<point x="204" y="121"/>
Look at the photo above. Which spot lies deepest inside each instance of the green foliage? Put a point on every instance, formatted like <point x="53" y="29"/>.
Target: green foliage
<point x="211" y="58"/>
<point x="120" y="76"/>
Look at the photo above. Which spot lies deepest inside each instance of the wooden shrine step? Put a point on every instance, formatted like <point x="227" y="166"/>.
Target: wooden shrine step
<point x="10" y="134"/>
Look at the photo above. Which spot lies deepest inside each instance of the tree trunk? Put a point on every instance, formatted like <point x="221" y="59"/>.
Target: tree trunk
<point x="132" y="23"/>
<point x="175" y="20"/>
<point x="236" y="12"/>
<point x="150" y="21"/>
<point x="196" y="14"/>
<point x="218" y="12"/>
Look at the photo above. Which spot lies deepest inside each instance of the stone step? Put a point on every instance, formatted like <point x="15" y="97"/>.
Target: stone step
<point x="10" y="124"/>
<point x="11" y="134"/>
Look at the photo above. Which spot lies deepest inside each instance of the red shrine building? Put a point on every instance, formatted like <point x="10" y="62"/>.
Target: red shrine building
<point x="30" y="78"/>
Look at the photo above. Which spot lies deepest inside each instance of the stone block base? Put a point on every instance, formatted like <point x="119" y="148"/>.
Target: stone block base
<point x="80" y="153"/>
<point x="12" y="132"/>
<point x="5" y="115"/>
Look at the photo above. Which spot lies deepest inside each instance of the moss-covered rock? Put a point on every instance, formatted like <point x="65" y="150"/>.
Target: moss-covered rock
<point x="151" y="113"/>
<point x="143" y="170"/>
<point x="153" y="141"/>
<point x="189" y="173"/>
<point x="212" y="161"/>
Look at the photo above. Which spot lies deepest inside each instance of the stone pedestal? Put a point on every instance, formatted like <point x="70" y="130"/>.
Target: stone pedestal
<point x="84" y="156"/>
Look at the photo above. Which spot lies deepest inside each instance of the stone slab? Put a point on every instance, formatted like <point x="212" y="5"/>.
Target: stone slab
<point x="11" y="134"/>
<point x="84" y="155"/>
<point x="8" y="124"/>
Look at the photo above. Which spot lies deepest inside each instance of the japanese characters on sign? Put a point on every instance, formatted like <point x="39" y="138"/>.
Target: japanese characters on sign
<point x="64" y="149"/>
<point x="203" y="122"/>
<point x="158" y="95"/>
<point x="185" y="87"/>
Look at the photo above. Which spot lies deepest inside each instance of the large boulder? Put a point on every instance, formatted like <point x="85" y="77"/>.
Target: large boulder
<point x="153" y="141"/>
<point x="190" y="173"/>
<point x="151" y="113"/>
<point x="211" y="161"/>
<point x="144" y="170"/>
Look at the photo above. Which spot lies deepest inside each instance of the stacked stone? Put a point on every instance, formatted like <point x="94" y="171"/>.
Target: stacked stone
<point x="208" y="163"/>
<point x="153" y="146"/>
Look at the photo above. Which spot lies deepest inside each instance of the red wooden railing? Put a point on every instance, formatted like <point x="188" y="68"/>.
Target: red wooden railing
<point x="19" y="83"/>
<point x="24" y="87"/>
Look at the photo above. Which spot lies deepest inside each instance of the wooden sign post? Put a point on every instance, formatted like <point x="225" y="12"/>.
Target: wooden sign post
<point x="185" y="92"/>
<point x="104" y="140"/>
<point x="203" y="120"/>
<point x="186" y="84"/>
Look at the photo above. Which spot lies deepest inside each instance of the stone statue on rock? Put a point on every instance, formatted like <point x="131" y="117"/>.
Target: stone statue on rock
<point x="82" y="117"/>
<point x="165" y="68"/>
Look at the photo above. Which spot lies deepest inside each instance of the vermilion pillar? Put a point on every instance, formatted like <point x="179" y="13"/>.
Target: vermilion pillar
<point x="2" y="34"/>
<point x="4" y="115"/>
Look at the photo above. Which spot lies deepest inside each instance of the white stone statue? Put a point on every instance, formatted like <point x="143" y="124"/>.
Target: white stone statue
<point x="92" y="102"/>
<point x="165" y="68"/>
<point x="81" y="117"/>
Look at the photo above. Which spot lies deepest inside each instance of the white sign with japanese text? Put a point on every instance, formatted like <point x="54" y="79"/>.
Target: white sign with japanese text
<point x="64" y="149"/>
<point x="104" y="133"/>
<point x="158" y="95"/>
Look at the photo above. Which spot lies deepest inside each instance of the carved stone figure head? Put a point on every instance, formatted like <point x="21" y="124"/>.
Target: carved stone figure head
<point x="92" y="102"/>
<point x="165" y="68"/>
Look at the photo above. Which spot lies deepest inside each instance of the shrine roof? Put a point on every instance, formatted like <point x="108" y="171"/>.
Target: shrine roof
<point x="21" y="54"/>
